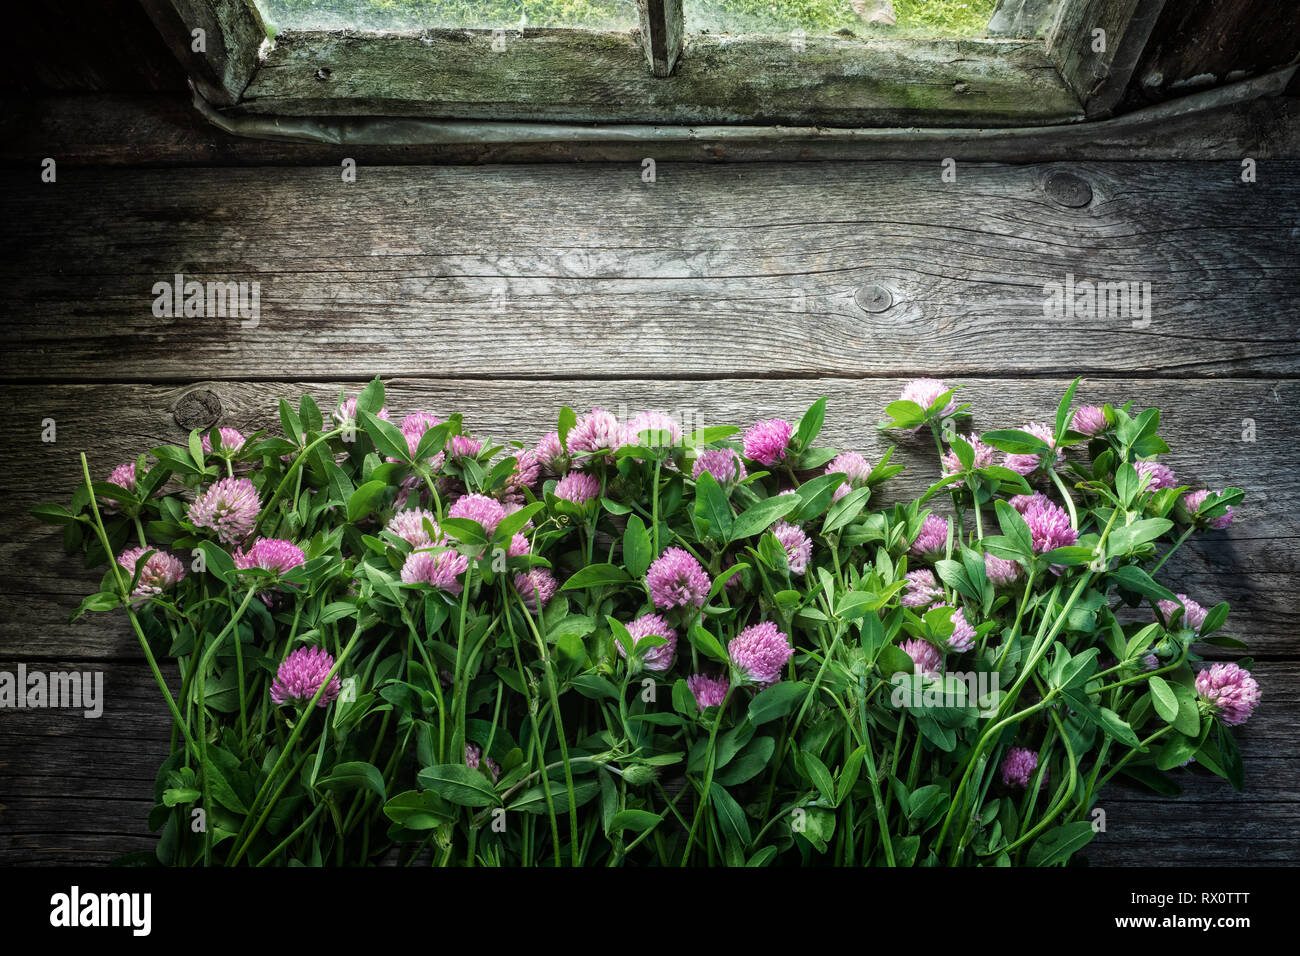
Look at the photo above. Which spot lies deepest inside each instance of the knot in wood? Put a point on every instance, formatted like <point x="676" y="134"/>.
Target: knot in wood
<point x="1068" y="189"/>
<point x="873" y="298"/>
<point x="200" y="408"/>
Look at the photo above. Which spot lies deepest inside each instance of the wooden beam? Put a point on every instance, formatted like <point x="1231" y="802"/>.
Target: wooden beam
<point x="591" y="76"/>
<point x="1096" y="44"/>
<point x="662" y="33"/>
<point x="708" y="272"/>
<point x="1250" y="118"/>
<point x="215" y="41"/>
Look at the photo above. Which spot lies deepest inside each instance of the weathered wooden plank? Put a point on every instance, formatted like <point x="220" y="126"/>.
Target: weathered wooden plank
<point x="79" y="791"/>
<point x="709" y="271"/>
<point x="661" y="34"/>
<point x="590" y="76"/>
<point x="1097" y="44"/>
<point x="1249" y="119"/>
<point x="1200" y="43"/>
<point x="1252" y="564"/>
<point x="216" y="42"/>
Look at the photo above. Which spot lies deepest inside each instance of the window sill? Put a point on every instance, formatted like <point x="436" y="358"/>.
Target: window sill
<point x="589" y="76"/>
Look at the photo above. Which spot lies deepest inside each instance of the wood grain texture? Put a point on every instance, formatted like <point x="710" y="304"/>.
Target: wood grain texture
<point x="232" y="36"/>
<point x="165" y="130"/>
<point x="589" y="271"/>
<point x="1251" y="564"/>
<point x="682" y="296"/>
<point x="1098" y="68"/>
<point x="79" y="791"/>
<point x="590" y="76"/>
<point x="661" y="34"/>
<point x="1200" y="43"/>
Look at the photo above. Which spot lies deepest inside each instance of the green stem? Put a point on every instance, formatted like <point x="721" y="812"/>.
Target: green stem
<point x="708" y="776"/>
<point x="293" y="469"/>
<point x="303" y="716"/>
<point x="135" y="623"/>
<point x="1177" y="544"/>
<point x="886" y="840"/>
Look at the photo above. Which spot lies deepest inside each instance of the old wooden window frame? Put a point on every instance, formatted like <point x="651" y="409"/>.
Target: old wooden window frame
<point x="657" y="74"/>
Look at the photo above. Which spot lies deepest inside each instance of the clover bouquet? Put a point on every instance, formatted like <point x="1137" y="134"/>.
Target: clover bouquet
<point x="631" y="645"/>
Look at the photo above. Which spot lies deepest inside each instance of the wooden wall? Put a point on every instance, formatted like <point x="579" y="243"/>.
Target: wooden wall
<point x="727" y="292"/>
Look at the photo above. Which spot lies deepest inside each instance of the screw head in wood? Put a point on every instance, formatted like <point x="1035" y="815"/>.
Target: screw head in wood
<point x="200" y="408"/>
<point x="873" y="298"/>
<point x="1068" y="189"/>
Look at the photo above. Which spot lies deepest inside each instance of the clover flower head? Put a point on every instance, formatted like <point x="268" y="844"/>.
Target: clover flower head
<point x="347" y="412"/>
<point x="578" y="487"/>
<point x="1193" y="613"/>
<point x="1089" y="420"/>
<point x="124" y="476"/>
<point x="419" y="422"/>
<point x="536" y="586"/>
<point x="951" y="464"/>
<point x="161" y="571"/>
<point x="1230" y="691"/>
<point x="462" y="446"/>
<point x="797" y="544"/>
<point x="760" y="652"/>
<point x="550" y="455"/>
<point x="1022" y="502"/>
<point x="676" y="579"/>
<point x="270" y="554"/>
<point x="767" y="441"/>
<point x="922" y="589"/>
<point x="474" y="758"/>
<point x="228" y="440"/>
<point x="932" y="540"/>
<point x="597" y="431"/>
<point x="1000" y="571"/>
<point x="486" y="511"/>
<point x="1018" y="767"/>
<point x="1162" y="476"/>
<point x="1193" y="500"/>
<point x="658" y="658"/>
<point x="726" y="467"/>
<point x="926" y="658"/>
<point x="229" y="507"/>
<point x="1041" y="464"/>
<point x="518" y="546"/>
<point x="1048" y="524"/>
<point x="925" y="392"/>
<point x="664" y="425"/>
<point x="409" y="526"/>
<point x="438" y="569"/>
<point x="853" y="466"/>
<point x="708" y="691"/>
<point x="962" y="638"/>
<point x="301" y="675"/>
<point x="528" y="470"/>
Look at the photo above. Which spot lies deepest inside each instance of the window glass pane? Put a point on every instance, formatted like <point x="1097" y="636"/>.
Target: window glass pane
<point x="425" y="14"/>
<point x="863" y="18"/>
